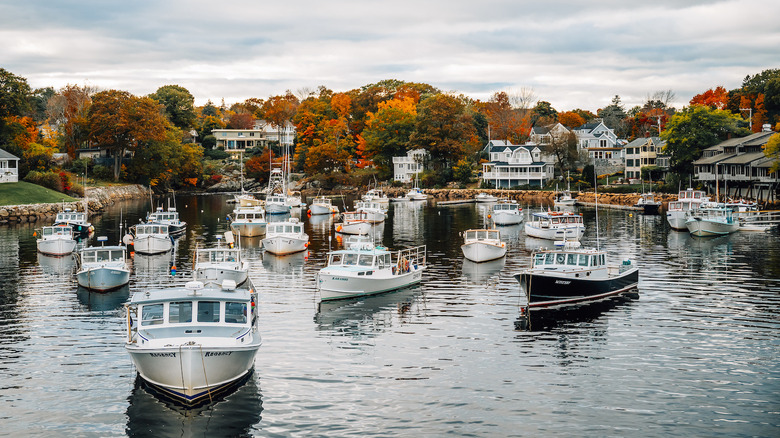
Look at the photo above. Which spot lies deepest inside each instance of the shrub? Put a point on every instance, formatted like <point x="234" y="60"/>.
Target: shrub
<point x="49" y="180"/>
<point x="77" y="190"/>
<point x="215" y="154"/>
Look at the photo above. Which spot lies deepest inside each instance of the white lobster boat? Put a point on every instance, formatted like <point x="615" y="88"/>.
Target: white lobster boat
<point x="196" y="342"/>
<point x="215" y="265"/>
<point x="507" y="212"/>
<point x="170" y="217"/>
<point x="353" y="222"/>
<point x="555" y="225"/>
<point x="248" y="221"/>
<point x="56" y="240"/>
<point x="322" y="205"/>
<point x="285" y="237"/>
<point x="151" y="238"/>
<point x="713" y="220"/>
<point x="103" y="268"/>
<point x="77" y="220"/>
<point x="364" y="269"/>
<point x="483" y="245"/>
<point x="686" y="200"/>
<point x="277" y="204"/>
<point x="377" y="195"/>
<point x="248" y="200"/>
<point x="374" y="211"/>
<point x="415" y="194"/>
<point x="483" y="197"/>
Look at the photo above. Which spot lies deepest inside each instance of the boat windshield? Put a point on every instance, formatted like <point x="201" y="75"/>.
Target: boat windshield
<point x="103" y="255"/>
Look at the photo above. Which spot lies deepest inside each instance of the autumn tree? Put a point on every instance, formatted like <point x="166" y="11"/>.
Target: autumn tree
<point x="178" y="104"/>
<point x="505" y="122"/>
<point x="258" y="167"/>
<point x="445" y="129"/>
<point x="570" y="119"/>
<point x="120" y="122"/>
<point x="564" y="149"/>
<point x="14" y="98"/>
<point x="772" y="150"/>
<point x="716" y="98"/>
<point x="695" y="128"/>
<point x="242" y="120"/>
<point x="544" y="114"/>
<point x="388" y="131"/>
<point x="309" y="122"/>
<point x="165" y="162"/>
<point x="68" y="110"/>
<point x="614" y="116"/>
<point x="280" y="110"/>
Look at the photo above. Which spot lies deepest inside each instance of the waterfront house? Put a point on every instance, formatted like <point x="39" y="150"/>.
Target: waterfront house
<point x="9" y="167"/>
<point x="516" y="165"/>
<point x="642" y="152"/>
<point x="599" y="141"/>
<point x="236" y="141"/>
<point x="544" y="134"/>
<point x="405" y="168"/>
<point x="739" y="165"/>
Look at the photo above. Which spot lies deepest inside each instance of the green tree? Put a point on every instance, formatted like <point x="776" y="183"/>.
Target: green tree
<point x="14" y="99"/>
<point x="178" y="103"/>
<point x="694" y="129"/>
<point x="444" y="127"/>
<point x="543" y="114"/>
<point x="614" y="116"/>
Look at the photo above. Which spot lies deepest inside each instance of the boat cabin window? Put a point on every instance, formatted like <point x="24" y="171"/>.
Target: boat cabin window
<point x="366" y="260"/>
<point x="538" y="259"/>
<point x="571" y="259"/>
<point x="208" y="311"/>
<point x="583" y="260"/>
<point x="555" y="220"/>
<point x="335" y="259"/>
<point x="180" y="312"/>
<point x="350" y="259"/>
<point x="549" y="259"/>
<point x="235" y="312"/>
<point x="152" y="314"/>
<point x="560" y="259"/>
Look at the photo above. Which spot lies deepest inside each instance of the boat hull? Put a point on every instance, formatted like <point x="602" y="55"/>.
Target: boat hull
<point x="248" y="229"/>
<point x="192" y="374"/>
<point x="676" y="219"/>
<point x="357" y="228"/>
<point x="320" y="209"/>
<point x="649" y="208"/>
<point x="336" y="284"/>
<point x="703" y="228"/>
<point x="56" y="247"/>
<point x="281" y="245"/>
<point x="103" y="279"/>
<point x="551" y="233"/>
<point x="555" y="291"/>
<point x="483" y="252"/>
<point x="502" y="218"/>
<point x="218" y="274"/>
<point x="275" y="208"/>
<point x="152" y="244"/>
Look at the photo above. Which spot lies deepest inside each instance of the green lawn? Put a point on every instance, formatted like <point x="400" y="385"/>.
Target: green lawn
<point x="26" y="193"/>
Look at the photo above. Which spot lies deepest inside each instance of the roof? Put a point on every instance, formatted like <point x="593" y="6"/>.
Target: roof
<point x="506" y="163"/>
<point x="714" y="159"/>
<point x="5" y="155"/>
<point x="765" y="162"/>
<point x="757" y="139"/>
<point x="540" y="130"/>
<point x="744" y="158"/>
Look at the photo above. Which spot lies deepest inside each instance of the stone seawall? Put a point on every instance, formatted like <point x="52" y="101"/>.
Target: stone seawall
<point x="98" y="199"/>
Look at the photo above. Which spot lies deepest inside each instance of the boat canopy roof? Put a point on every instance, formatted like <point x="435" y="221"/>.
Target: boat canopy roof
<point x="211" y="291"/>
<point x="284" y="228"/>
<point x="218" y="255"/>
<point x="57" y="230"/>
<point x="151" y="228"/>
<point x="95" y="254"/>
<point x="482" y="235"/>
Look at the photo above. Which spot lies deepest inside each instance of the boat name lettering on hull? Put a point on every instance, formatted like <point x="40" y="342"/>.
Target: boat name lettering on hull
<point x="218" y="353"/>
<point x="562" y="281"/>
<point x="162" y="354"/>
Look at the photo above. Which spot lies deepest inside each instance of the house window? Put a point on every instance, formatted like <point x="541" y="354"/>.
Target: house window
<point x="603" y="143"/>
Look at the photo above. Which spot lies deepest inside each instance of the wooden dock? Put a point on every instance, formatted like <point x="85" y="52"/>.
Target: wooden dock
<point x="455" y="202"/>
<point x="612" y="206"/>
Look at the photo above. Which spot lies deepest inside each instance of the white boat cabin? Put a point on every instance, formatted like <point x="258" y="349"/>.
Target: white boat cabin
<point x="556" y="260"/>
<point x="284" y="228"/>
<point x="375" y="259"/>
<point x="217" y="255"/>
<point x="71" y="217"/>
<point x="100" y="254"/>
<point x="480" y="235"/>
<point x="151" y="229"/>
<point x="248" y="215"/>
<point x="57" y="231"/>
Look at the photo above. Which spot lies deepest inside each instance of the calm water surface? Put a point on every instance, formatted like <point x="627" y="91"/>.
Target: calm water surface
<point x="695" y="355"/>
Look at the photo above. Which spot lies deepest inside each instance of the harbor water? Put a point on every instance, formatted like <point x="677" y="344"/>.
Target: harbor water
<point x="695" y="354"/>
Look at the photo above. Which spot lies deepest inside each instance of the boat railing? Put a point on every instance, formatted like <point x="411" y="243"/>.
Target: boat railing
<point x="415" y="256"/>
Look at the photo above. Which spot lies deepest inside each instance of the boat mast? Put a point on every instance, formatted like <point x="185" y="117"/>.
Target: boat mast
<point x="596" y="196"/>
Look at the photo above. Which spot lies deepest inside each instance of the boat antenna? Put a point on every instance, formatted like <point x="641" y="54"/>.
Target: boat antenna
<point x="596" y="196"/>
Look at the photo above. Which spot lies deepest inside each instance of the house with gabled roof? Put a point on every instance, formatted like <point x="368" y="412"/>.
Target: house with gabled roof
<point x="642" y="152"/>
<point x="545" y="134"/>
<point x="516" y="165"/>
<point x="598" y="140"/>
<point x="9" y="167"/>
<point x="739" y="165"/>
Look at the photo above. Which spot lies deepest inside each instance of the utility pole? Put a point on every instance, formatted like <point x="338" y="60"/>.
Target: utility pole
<point x="750" y="117"/>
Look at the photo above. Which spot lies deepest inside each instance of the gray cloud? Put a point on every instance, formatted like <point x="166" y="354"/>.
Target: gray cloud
<point x="573" y="54"/>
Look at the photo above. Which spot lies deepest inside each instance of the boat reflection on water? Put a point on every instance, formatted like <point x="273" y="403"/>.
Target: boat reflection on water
<point x="479" y="273"/>
<point x="57" y="266"/>
<point x="374" y="313"/>
<point x="534" y="320"/>
<point x="103" y="301"/>
<point x="532" y="243"/>
<point x="511" y="233"/>
<point x="229" y="414"/>
<point x="285" y="264"/>
<point x="152" y="263"/>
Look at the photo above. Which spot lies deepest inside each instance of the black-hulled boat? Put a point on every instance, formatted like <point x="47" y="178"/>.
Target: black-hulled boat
<point x="648" y="204"/>
<point x="573" y="275"/>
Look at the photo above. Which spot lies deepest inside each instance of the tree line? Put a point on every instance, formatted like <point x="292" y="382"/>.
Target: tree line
<point x="162" y="139"/>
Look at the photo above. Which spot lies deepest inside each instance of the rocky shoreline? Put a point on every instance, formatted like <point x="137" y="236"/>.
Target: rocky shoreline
<point x="98" y="198"/>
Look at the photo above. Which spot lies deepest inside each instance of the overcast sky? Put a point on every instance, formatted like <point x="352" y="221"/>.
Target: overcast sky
<point x="573" y="54"/>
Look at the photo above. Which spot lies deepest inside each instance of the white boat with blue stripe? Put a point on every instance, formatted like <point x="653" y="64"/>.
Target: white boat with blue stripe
<point x="103" y="268"/>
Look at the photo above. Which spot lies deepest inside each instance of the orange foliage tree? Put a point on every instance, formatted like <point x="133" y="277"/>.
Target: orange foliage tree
<point x="570" y="119"/>
<point x="716" y="98"/>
